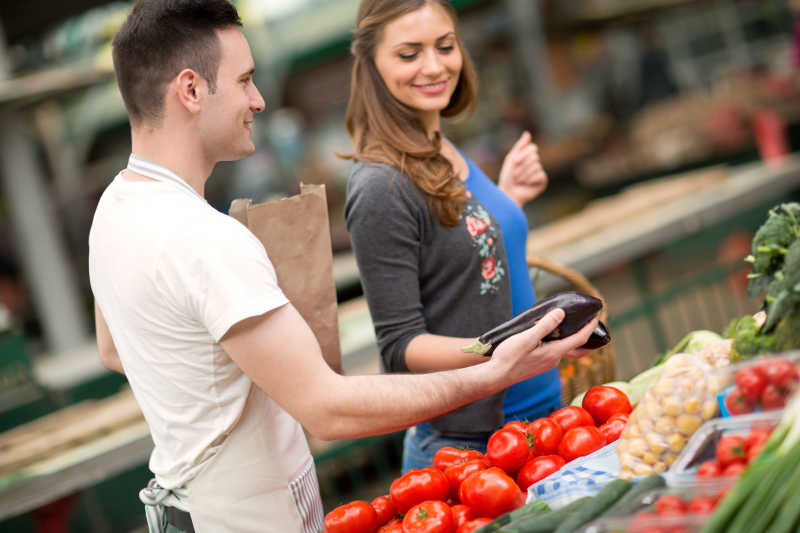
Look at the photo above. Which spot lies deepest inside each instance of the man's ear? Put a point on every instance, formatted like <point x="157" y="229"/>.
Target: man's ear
<point x="188" y="86"/>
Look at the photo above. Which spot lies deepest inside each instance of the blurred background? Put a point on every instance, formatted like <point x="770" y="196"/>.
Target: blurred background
<point x="667" y="128"/>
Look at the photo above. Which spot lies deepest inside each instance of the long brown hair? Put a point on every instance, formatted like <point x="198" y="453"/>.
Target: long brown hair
<point x="385" y="130"/>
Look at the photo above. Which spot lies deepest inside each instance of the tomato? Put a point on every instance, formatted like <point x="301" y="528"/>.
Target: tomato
<point x="461" y="513"/>
<point x="490" y="493"/>
<point x="669" y="504"/>
<point x="756" y="437"/>
<point x="736" y="403"/>
<point x="456" y="474"/>
<point x="773" y="397"/>
<point x="642" y="523"/>
<point x="508" y="449"/>
<point x="710" y="468"/>
<point x="353" y="517"/>
<point x="432" y="516"/>
<point x="418" y="485"/>
<point x="448" y="456"/>
<point x="619" y="416"/>
<point x="384" y="508"/>
<point x="473" y="525"/>
<point x="572" y="416"/>
<point x="734" y="469"/>
<point x="751" y="383"/>
<point x="701" y="504"/>
<point x="519" y="425"/>
<point x="580" y="441"/>
<point x="602" y="402"/>
<point x="780" y="372"/>
<point x="538" y="469"/>
<point x="730" y="448"/>
<point x="546" y="435"/>
<point x="612" y="429"/>
<point x="395" y="525"/>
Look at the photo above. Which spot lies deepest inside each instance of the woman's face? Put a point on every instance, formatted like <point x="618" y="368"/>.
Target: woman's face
<point x="420" y="61"/>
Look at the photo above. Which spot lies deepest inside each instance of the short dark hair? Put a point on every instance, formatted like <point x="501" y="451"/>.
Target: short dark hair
<point x="158" y="40"/>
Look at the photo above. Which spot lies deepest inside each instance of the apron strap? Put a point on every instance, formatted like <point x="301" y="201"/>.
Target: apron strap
<point x="155" y="499"/>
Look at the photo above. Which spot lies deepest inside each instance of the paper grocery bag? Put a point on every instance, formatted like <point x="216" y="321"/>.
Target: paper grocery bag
<point x="296" y="234"/>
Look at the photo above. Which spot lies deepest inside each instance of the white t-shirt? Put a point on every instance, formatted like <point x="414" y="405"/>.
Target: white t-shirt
<point x="171" y="275"/>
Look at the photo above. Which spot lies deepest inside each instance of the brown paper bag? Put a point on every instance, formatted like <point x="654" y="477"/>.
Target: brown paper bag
<point x="296" y="234"/>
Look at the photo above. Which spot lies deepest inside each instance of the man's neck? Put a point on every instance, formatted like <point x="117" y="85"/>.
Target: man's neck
<point x="183" y="158"/>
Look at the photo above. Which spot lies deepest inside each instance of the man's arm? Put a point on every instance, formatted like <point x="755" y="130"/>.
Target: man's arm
<point x="105" y="344"/>
<point x="280" y="353"/>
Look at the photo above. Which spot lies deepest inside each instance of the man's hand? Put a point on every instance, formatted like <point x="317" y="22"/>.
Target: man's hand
<point x="525" y="355"/>
<point x="522" y="177"/>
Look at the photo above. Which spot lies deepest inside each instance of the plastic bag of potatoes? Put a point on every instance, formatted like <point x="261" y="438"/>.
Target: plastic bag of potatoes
<point x="671" y="411"/>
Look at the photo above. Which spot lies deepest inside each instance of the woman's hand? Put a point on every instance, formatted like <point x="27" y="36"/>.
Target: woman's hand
<point x="522" y="177"/>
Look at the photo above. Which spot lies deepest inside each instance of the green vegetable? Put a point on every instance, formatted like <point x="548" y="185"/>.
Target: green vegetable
<point x="534" y="508"/>
<point x="596" y="506"/>
<point x="783" y="292"/>
<point x="787" y="333"/>
<point x="770" y="244"/>
<point x="630" y="501"/>
<point x="748" y="341"/>
<point x="543" y="523"/>
<point x="788" y="518"/>
<point x="692" y="343"/>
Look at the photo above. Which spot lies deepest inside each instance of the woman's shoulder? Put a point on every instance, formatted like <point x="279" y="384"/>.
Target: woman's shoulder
<point x="371" y="177"/>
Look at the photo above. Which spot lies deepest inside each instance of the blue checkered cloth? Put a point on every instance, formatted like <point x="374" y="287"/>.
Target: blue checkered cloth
<point x="584" y="476"/>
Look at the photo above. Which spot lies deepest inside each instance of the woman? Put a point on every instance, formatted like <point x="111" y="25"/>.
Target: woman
<point x="440" y="248"/>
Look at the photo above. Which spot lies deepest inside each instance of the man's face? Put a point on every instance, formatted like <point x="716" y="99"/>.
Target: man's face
<point x="228" y="112"/>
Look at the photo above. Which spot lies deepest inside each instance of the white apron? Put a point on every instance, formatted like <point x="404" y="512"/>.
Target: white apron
<point x="262" y="478"/>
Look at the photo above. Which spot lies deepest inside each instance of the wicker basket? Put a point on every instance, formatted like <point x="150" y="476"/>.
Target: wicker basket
<point x="599" y="367"/>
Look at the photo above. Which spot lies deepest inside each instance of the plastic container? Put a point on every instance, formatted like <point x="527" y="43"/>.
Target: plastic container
<point x="733" y="400"/>
<point x="647" y="524"/>
<point x="702" y="445"/>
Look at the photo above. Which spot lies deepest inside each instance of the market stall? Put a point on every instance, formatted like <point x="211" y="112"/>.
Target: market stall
<point x="707" y="439"/>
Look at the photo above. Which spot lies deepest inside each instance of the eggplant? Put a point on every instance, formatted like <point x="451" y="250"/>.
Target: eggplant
<point x="599" y="337"/>
<point x="579" y="309"/>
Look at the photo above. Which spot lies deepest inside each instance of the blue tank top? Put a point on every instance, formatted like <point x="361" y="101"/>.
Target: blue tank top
<point x="539" y="395"/>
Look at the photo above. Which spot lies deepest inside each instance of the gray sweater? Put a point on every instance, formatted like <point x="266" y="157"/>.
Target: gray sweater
<point x="420" y="276"/>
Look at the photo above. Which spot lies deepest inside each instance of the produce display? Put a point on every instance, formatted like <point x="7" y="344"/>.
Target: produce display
<point x="739" y="472"/>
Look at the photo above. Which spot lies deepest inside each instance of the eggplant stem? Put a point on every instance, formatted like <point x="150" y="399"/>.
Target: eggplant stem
<point x="477" y="347"/>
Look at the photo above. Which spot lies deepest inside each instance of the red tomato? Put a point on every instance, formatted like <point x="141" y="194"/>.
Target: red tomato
<point x="508" y="449"/>
<point x="620" y="416"/>
<point x="580" y="441"/>
<point x="642" y="523"/>
<point x="461" y="513"/>
<point x="669" y="504"/>
<point x="572" y="416"/>
<point x="756" y="437"/>
<point x="419" y="485"/>
<point x="730" y="448"/>
<point x="384" y="508"/>
<point x="780" y="372"/>
<point x="538" y="469"/>
<point x="701" y="504"/>
<point x="473" y="525"/>
<point x="710" y="468"/>
<point x="456" y="474"/>
<point x="448" y="456"/>
<point x="736" y="403"/>
<point x="773" y="397"/>
<point x="734" y="469"/>
<point x="602" y="402"/>
<point x="353" y="517"/>
<point x="491" y="493"/>
<point x="395" y="526"/>
<point x="432" y="516"/>
<point x="546" y="435"/>
<point x="751" y="383"/>
<point x="612" y="429"/>
<point x="519" y="425"/>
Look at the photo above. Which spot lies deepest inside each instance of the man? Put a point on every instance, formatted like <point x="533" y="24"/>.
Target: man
<point x="188" y="307"/>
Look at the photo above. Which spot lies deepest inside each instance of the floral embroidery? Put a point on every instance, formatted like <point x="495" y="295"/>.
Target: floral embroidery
<point x="484" y="238"/>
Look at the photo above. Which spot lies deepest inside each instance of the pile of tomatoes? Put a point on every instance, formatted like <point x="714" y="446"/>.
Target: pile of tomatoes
<point x="670" y="510"/>
<point x="465" y="489"/>
<point x="734" y="452"/>
<point x="765" y="384"/>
